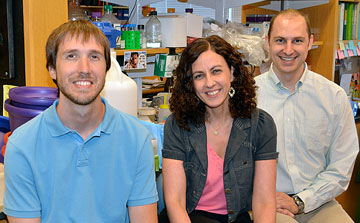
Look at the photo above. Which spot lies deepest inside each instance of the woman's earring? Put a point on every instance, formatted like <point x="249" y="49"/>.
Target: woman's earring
<point x="231" y="92"/>
<point x="197" y="99"/>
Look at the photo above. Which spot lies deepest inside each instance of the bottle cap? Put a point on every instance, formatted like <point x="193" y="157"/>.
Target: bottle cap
<point x="141" y="27"/>
<point x="153" y="13"/>
<point x="189" y="10"/>
<point x="108" y="8"/>
<point x="164" y="106"/>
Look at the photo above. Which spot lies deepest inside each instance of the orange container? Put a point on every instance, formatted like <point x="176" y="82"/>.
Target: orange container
<point x="146" y="10"/>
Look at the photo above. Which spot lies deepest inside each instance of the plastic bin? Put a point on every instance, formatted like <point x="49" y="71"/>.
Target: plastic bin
<point x="109" y="32"/>
<point x="38" y="98"/>
<point x="18" y="115"/>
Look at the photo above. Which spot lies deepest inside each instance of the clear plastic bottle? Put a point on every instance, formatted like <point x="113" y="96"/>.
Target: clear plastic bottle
<point x="109" y="16"/>
<point x="153" y="31"/>
<point x="141" y="28"/>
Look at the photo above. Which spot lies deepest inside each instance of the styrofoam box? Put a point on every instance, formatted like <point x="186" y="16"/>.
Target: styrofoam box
<point x="194" y="25"/>
<point x="175" y="28"/>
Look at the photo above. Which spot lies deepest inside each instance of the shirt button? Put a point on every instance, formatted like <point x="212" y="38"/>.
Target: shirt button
<point x="226" y="172"/>
<point x="231" y="212"/>
<point x="227" y="190"/>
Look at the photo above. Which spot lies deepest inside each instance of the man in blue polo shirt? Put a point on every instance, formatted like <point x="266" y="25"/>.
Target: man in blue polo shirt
<point x="80" y="160"/>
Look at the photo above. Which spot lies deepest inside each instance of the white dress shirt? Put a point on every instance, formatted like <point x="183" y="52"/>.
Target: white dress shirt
<point x="316" y="136"/>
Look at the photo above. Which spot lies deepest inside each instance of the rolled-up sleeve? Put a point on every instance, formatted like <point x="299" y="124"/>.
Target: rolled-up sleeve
<point x="265" y="137"/>
<point x="174" y="147"/>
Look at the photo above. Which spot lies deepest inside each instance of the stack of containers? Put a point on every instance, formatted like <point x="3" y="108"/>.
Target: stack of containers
<point x="131" y="36"/>
<point x="110" y="32"/>
<point x="25" y="103"/>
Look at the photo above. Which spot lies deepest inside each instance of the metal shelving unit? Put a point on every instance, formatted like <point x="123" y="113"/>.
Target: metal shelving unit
<point x="221" y="5"/>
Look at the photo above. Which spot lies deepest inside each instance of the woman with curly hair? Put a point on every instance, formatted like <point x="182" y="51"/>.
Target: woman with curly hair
<point x="219" y="155"/>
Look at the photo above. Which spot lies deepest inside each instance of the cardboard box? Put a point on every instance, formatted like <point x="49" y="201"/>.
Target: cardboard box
<point x="165" y="64"/>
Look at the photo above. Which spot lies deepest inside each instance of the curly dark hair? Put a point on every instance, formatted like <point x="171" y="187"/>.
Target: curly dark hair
<point x="184" y="102"/>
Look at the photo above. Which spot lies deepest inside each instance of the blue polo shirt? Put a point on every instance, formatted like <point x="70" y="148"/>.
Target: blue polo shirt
<point x="52" y="173"/>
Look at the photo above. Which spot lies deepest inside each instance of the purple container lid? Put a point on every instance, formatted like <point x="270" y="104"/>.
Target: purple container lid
<point x="42" y="96"/>
<point x="28" y="106"/>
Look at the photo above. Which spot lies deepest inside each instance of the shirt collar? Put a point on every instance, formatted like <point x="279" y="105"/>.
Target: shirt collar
<point x="57" y="128"/>
<point x="275" y="80"/>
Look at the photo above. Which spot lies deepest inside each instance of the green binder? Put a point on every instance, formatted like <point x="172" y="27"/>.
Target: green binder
<point x="349" y="21"/>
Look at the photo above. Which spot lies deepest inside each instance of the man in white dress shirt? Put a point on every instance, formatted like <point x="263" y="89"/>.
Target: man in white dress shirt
<point x="317" y="138"/>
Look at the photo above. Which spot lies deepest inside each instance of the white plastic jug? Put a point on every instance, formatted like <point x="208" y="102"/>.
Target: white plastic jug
<point x="120" y="90"/>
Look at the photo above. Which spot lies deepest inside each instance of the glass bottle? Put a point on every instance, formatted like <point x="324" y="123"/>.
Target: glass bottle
<point x="109" y="16"/>
<point x="153" y="31"/>
<point x="141" y="28"/>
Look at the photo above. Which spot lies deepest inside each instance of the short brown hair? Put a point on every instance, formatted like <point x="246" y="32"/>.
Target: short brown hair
<point x="77" y="28"/>
<point x="184" y="102"/>
<point x="291" y="12"/>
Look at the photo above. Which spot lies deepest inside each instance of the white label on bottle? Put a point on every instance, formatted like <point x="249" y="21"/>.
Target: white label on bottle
<point x="118" y="42"/>
<point x="153" y="45"/>
<point x="122" y="46"/>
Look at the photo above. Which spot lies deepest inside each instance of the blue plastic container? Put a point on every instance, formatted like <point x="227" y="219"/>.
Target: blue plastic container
<point x="4" y="124"/>
<point x="4" y="128"/>
<point x="109" y="32"/>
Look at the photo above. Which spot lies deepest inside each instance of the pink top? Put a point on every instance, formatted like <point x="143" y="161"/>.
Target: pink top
<point x="213" y="196"/>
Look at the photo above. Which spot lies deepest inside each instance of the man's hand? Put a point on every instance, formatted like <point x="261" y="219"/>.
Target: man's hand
<point x="286" y="204"/>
